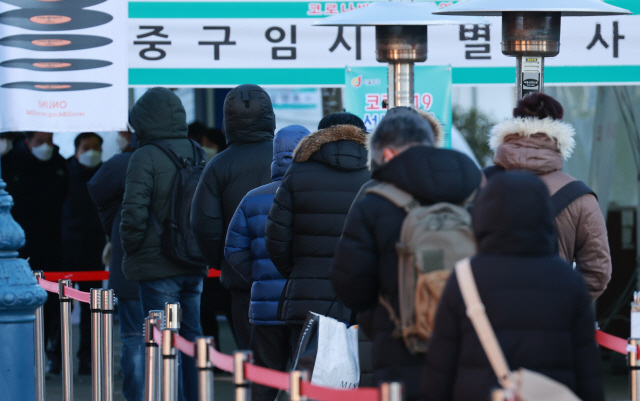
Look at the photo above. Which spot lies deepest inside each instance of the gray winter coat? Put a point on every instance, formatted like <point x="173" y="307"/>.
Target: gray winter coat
<point x="158" y="114"/>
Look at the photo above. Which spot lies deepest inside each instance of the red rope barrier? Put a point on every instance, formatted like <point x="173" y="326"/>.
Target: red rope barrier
<point x="613" y="343"/>
<point x="267" y="377"/>
<point x="220" y="360"/>
<point x="186" y="346"/>
<point x="97" y="275"/>
<point x="331" y="394"/>
<point x="77" y="295"/>
<point x="157" y="336"/>
<point x="48" y="285"/>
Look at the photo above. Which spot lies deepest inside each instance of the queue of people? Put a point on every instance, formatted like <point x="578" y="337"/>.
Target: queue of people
<point x="299" y="222"/>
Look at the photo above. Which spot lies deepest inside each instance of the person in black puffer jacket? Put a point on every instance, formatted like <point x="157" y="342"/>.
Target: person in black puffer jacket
<point x="307" y="217"/>
<point x="537" y="304"/>
<point x="366" y="263"/>
<point x="249" y="125"/>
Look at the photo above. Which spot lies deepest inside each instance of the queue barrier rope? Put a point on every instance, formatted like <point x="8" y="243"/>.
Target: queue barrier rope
<point x="97" y="275"/>
<point x="274" y="378"/>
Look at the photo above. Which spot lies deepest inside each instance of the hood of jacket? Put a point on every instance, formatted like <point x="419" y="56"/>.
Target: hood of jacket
<point x="248" y="115"/>
<point x="158" y="114"/>
<point x="432" y="175"/>
<point x="536" y="145"/>
<point x="512" y="216"/>
<point x="284" y="143"/>
<point x="342" y="147"/>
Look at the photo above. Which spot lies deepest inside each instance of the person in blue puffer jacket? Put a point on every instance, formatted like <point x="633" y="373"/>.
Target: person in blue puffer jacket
<point x="246" y="253"/>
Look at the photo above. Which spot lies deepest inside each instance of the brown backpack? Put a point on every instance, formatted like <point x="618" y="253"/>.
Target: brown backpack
<point x="433" y="238"/>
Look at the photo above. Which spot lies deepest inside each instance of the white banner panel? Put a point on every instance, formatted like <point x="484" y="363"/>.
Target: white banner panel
<point x="63" y="65"/>
<point x="222" y="43"/>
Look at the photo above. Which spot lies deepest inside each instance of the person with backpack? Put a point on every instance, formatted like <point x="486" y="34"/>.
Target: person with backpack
<point x="537" y="140"/>
<point x="366" y="267"/>
<point x="249" y="124"/>
<point x="246" y="253"/>
<point x="308" y="213"/>
<point x="154" y="238"/>
<point x="537" y="305"/>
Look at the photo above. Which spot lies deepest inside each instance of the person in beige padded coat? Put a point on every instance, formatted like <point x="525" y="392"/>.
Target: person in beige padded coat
<point x="537" y="140"/>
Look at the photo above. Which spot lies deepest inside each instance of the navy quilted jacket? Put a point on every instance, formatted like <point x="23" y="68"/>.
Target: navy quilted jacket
<point x="245" y="249"/>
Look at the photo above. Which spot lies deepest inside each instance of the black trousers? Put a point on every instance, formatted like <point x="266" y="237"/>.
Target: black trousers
<point x="240" y="318"/>
<point x="271" y="346"/>
<point x="51" y="314"/>
<point x="215" y="300"/>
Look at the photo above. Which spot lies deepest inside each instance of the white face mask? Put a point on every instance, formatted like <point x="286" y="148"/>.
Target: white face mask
<point x="209" y="152"/>
<point x="5" y="146"/>
<point x="122" y="142"/>
<point x="43" y="152"/>
<point x="90" y="158"/>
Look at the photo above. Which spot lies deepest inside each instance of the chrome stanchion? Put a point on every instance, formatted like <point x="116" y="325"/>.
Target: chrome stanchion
<point x="39" y="346"/>
<point x="393" y="391"/>
<point x="153" y="364"/>
<point x="67" y="349"/>
<point x="243" y="389"/>
<point x="97" y="346"/>
<point x="632" y="349"/>
<point x="170" y="376"/>
<point x="205" y="368"/>
<point x="295" y="386"/>
<point x="108" y="303"/>
<point x="169" y="366"/>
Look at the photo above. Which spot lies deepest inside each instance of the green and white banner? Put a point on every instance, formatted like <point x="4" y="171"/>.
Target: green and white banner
<point x="366" y="89"/>
<point x="274" y="43"/>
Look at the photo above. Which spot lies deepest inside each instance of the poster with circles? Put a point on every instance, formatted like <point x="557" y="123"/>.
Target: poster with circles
<point x="63" y="65"/>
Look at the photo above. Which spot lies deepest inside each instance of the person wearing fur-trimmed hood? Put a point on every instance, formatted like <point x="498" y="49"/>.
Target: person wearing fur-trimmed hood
<point x="306" y="219"/>
<point x="537" y="140"/>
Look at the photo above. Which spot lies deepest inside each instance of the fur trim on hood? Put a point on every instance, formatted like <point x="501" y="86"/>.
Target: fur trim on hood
<point x="312" y="143"/>
<point x="436" y="126"/>
<point x="557" y="130"/>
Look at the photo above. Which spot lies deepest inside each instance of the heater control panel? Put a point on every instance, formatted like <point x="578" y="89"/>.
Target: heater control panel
<point x="531" y="75"/>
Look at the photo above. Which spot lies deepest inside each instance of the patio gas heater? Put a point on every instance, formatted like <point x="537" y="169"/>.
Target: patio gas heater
<point x="401" y="38"/>
<point x="531" y="30"/>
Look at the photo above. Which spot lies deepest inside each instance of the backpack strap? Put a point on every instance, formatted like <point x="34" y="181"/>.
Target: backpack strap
<point x="567" y="194"/>
<point x="481" y="323"/>
<point x="199" y="156"/>
<point x="175" y="157"/>
<point x="394" y="194"/>
<point x="492" y="170"/>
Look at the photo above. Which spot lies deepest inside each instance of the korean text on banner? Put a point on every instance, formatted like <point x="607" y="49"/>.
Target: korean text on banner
<point x="366" y="89"/>
<point x="63" y="68"/>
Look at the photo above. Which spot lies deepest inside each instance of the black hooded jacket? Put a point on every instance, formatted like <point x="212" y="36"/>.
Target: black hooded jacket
<point x="249" y="125"/>
<point x="158" y="114"/>
<point x="537" y="304"/>
<point x="307" y="217"/>
<point x="83" y="239"/>
<point x="38" y="189"/>
<point x="366" y="263"/>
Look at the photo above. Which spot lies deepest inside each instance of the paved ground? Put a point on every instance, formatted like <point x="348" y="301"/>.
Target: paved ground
<point x="616" y="386"/>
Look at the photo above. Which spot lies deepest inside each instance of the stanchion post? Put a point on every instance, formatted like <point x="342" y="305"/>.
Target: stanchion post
<point x="632" y="352"/>
<point x="153" y="359"/>
<point x="108" y="304"/>
<point x="393" y="391"/>
<point x="67" y="349"/>
<point x="97" y="346"/>
<point x="170" y="376"/>
<point x="243" y="389"/>
<point x="501" y="394"/>
<point x="38" y="336"/>
<point x="205" y="368"/>
<point x="295" y="386"/>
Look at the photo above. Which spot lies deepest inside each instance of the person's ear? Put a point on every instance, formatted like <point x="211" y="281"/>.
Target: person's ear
<point x="388" y="154"/>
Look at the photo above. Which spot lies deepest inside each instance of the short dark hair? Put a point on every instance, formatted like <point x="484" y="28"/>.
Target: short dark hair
<point x="401" y="126"/>
<point x="216" y="136"/>
<point x="539" y="105"/>
<point x="85" y="135"/>
<point x="341" y="118"/>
